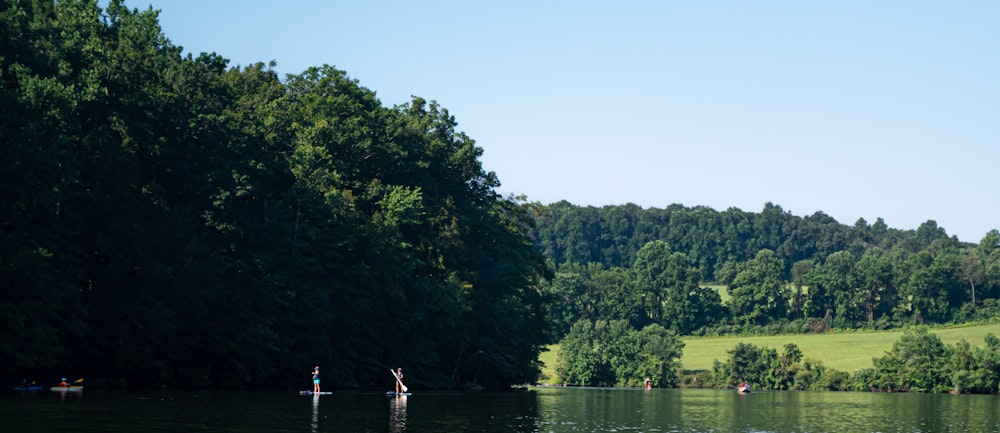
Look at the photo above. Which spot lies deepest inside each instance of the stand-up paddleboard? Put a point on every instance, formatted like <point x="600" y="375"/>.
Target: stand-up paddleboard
<point x="397" y="394"/>
<point x="314" y="393"/>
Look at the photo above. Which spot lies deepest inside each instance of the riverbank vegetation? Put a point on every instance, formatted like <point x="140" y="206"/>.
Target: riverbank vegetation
<point x="918" y="362"/>
<point x="962" y="359"/>
<point x="614" y="354"/>
<point x="848" y="351"/>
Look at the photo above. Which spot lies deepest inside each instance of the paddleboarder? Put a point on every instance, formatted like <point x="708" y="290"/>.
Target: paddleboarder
<point x="316" y="380"/>
<point x="399" y="383"/>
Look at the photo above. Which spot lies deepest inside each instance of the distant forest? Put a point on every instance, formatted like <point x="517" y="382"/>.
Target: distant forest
<point x="629" y="282"/>
<point x="783" y="273"/>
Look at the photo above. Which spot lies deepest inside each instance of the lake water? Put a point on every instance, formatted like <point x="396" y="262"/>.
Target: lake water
<point x="535" y="410"/>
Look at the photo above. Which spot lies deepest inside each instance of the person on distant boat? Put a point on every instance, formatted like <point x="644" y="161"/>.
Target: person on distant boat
<point x="399" y="383"/>
<point x="649" y="384"/>
<point x="316" y="380"/>
<point x="63" y="384"/>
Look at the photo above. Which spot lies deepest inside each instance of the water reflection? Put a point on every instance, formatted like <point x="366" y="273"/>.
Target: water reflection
<point x="315" y="414"/>
<point x="397" y="414"/>
<point x="539" y="410"/>
<point x="73" y="394"/>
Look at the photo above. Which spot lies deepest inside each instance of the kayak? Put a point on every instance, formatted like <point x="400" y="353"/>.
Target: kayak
<point x="28" y="388"/>
<point x="67" y="388"/>
<point x="397" y="394"/>
<point x="314" y="393"/>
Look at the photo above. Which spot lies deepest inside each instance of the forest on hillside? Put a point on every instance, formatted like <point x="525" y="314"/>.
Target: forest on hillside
<point x="629" y="282"/>
<point x="166" y="219"/>
<point x="782" y="273"/>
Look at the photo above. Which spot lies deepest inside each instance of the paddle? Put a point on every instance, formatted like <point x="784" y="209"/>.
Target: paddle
<point x="397" y="380"/>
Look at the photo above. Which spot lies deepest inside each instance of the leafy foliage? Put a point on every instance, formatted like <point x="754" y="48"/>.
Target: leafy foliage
<point x="169" y="220"/>
<point x="782" y="273"/>
<point x="761" y="367"/>
<point x="758" y="294"/>
<point x="615" y="354"/>
<point x="917" y="362"/>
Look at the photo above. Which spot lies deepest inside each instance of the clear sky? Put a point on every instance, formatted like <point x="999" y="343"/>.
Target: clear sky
<point x="860" y="109"/>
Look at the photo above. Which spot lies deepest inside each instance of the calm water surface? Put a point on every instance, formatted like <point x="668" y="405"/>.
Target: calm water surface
<point x="553" y="410"/>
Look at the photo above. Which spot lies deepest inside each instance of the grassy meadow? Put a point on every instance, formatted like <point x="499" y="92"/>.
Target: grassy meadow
<point x="721" y="288"/>
<point x="845" y="351"/>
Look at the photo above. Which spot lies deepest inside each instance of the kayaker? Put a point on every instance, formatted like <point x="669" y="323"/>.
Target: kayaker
<point x="316" y="380"/>
<point x="63" y="384"/>
<point x="399" y="383"/>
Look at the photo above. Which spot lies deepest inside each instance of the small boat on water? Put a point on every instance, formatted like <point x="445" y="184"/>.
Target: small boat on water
<point x="28" y="388"/>
<point x="397" y="394"/>
<point x="744" y="388"/>
<point x="314" y="393"/>
<point x="67" y="388"/>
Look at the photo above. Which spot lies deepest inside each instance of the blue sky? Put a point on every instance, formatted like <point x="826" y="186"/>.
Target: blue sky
<point x="859" y="109"/>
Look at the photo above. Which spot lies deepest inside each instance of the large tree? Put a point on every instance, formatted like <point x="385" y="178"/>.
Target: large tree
<point x="668" y="284"/>
<point x="758" y="290"/>
<point x="616" y="354"/>
<point x="873" y="280"/>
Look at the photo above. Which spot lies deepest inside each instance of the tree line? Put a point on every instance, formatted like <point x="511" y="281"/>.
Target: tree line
<point x="918" y="362"/>
<point x="613" y="353"/>
<point x="628" y="280"/>
<point x="780" y="273"/>
<point x="168" y="219"/>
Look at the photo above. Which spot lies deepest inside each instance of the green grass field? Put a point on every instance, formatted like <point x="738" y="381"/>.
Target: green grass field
<point x="721" y="288"/>
<point x="848" y="351"/>
<point x="549" y="359"/>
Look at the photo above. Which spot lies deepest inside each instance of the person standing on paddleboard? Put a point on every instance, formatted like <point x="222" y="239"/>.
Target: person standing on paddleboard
<point x="316" y="380"/>
<point x="399" y="383"/>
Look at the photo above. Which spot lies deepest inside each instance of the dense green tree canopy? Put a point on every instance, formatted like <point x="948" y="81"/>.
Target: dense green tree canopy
<point x="171" y="220"/>
<point x="668" y="284"/>
<point x="758" y="294"/>
<point x="616" y="354"/>
<point x="821" y="273"/>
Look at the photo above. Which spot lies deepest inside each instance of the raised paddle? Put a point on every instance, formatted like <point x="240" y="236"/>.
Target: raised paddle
<point x="397" y="380"/>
